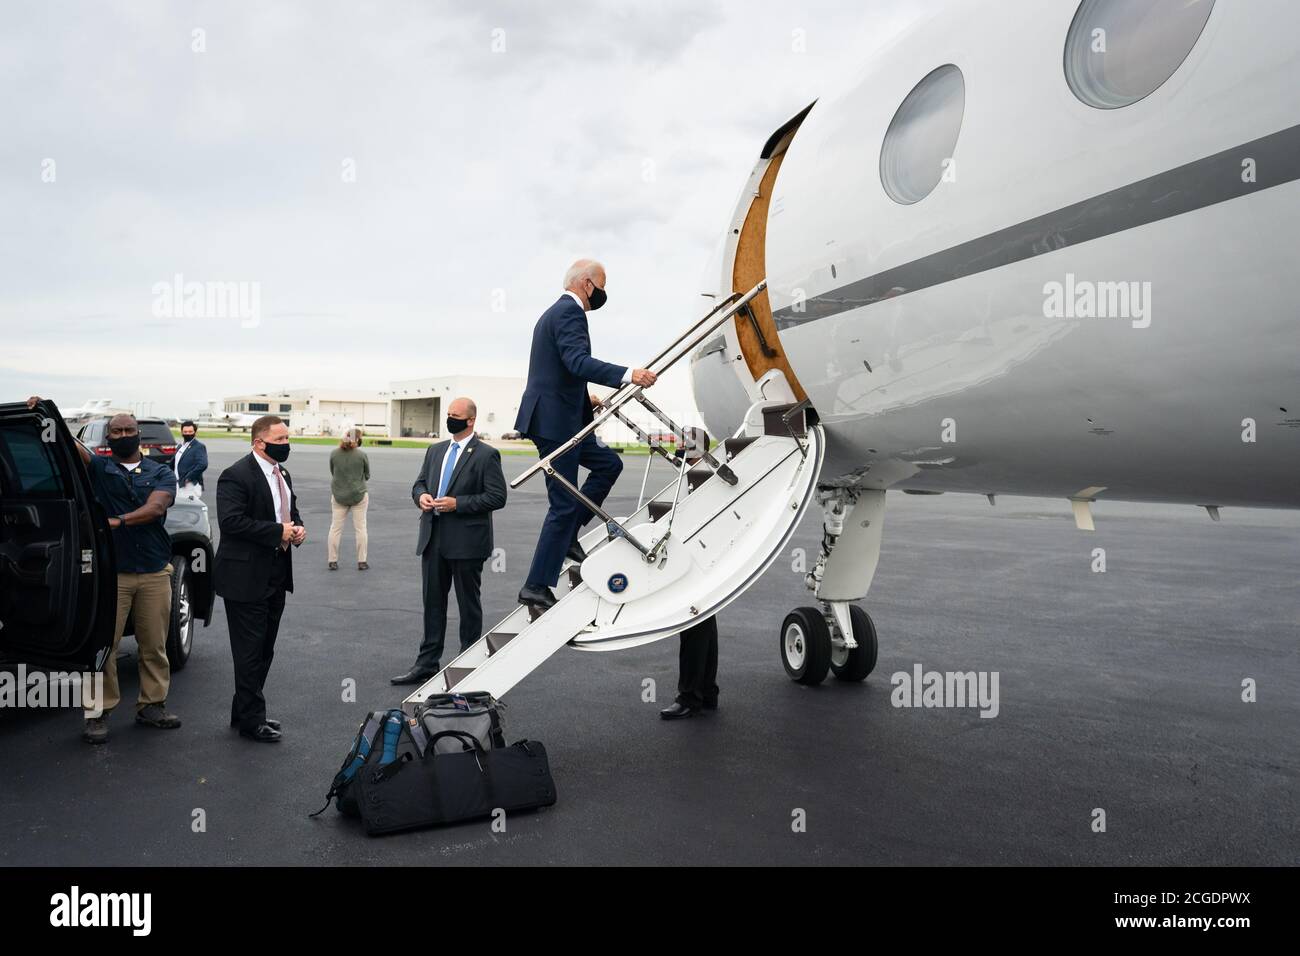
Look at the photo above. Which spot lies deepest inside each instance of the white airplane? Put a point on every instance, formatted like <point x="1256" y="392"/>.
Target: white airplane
<point x="1043" y="248"/>
<point x="93" y="408"/>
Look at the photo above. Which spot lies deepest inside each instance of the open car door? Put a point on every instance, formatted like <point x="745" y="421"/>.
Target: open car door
<point x="58" y="580"/>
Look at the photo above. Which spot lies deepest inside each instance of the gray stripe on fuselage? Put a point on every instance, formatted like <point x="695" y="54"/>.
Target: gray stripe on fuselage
<point x="1197" y="184"/>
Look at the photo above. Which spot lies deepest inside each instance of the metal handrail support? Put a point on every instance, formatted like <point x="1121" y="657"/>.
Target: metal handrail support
<point x="723" y="471"/>
<point x="627" y="393"/>
<point x="612" y="525"/>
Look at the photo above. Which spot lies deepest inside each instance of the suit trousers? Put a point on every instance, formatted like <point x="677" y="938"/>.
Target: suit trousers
<point x="439" y="575"/>
<point x="253" y="629"/>
<point x="697" y="661"/>
<point x="566" y="514"/>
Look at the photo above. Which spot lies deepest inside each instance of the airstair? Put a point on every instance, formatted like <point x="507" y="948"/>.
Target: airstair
<point x="685" y="553"/>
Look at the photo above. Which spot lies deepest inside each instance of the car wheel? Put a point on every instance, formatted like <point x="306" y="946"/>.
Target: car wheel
<point x="180" y="632"/>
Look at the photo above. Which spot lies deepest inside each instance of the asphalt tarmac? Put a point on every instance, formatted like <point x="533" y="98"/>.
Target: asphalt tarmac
<point x="1118" y="691"/>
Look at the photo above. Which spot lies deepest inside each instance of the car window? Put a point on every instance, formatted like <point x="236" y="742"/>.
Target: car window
<point x="27" y="464"/>
<point x="156" y="433"/>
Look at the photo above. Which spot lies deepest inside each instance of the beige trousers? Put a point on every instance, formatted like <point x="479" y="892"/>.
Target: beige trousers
<point x="337" y="513"/>
<point x="149" y="596"/>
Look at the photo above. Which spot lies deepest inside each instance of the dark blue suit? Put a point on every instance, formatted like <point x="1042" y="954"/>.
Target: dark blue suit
<point x="554" y="408"/>
<point x="193" y="464"/>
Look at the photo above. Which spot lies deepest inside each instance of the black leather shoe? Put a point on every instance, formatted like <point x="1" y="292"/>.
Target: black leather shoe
<point x="710" y="705"/>
<point x="273" y="724"/>
<point x="677" y="711"/>
<point x="264" y="734"/>
<point x="575" y="553"/>
<point x="537" y="597"/>
<point x="415" y="675"/>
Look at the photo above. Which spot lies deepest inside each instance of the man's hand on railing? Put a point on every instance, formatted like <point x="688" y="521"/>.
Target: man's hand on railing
<point x="595" y="400"/>
<point x="643" y="377"/>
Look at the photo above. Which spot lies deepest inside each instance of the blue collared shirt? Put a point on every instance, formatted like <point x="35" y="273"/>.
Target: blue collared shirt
<point x="141" y="548"/>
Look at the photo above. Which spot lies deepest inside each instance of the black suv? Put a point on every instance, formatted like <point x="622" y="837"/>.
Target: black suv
<point x="58" y="577"/>
<point x="156" y="438"/>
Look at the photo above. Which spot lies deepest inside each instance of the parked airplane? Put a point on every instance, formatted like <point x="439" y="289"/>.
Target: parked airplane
<point x="1054" y="260"/>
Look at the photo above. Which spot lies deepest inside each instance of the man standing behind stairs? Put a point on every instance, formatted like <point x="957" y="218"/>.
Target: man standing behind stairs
<point x="459" y="486"/>
<point x="554" y="408"/>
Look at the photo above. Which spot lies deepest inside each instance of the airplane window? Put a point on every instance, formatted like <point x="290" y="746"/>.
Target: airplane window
<point x="1118" y="51"/>
<point x="920" y="140"/>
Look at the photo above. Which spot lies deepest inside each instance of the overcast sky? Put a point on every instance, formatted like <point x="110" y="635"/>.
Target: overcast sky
<point x="389" y="174"/>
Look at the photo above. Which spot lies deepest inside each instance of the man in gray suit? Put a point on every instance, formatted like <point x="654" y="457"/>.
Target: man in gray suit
<point x="459" y="486"/>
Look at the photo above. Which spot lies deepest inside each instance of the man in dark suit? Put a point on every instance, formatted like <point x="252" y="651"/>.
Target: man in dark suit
<point x="257" y="513"/>
<point x="459" y="486"/>
<point x="555" y="406"/>
<point x="191" y="459"/>
<point x="697" y="656"/>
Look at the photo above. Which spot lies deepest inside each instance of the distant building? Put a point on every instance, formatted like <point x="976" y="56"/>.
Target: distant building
<point x="418" y="406"/>
<point x="316" y="411"/>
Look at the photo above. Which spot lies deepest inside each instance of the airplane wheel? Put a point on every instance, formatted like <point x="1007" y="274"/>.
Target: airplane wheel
<point x="856" y="664"/>
<point x="806" y="645"/>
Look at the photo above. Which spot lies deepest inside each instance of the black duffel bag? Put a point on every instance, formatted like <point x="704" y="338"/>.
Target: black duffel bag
<point x="443" y="788"/>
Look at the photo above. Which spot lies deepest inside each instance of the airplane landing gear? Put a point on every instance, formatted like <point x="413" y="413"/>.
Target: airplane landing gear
<point x="838" y="636"/>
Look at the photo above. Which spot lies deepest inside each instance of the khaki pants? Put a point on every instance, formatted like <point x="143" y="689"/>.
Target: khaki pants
<point x="149" y="596"/>
<point x="337" y="513"/>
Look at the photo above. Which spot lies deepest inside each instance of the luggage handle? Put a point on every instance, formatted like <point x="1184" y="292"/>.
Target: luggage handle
<point x="459" y="734"/>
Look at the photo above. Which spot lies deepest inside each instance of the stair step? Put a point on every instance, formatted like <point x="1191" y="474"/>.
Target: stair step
<point x="698" y="476"/>
<point x="731" y="447"/>
<point x="773" y="425"/>
<point x="455" y="675"/>
<point x="659" y="508"/>
<point x="497" y="640"/>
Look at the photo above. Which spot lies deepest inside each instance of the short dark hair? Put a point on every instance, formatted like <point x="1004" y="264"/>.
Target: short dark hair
<point x="263" y="425"/>
<point x="189" y="424"/>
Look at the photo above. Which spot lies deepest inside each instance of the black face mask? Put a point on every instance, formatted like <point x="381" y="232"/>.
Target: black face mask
<point x="186" y="438"/>
<point x="598" y="297"/>
<point x="124" y="447"/>
<point x="456" y="425"/>
<point x="277" y="453"/>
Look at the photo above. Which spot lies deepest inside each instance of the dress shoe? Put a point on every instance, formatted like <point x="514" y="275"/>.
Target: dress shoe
<point x="575" y="553"/>
<point x="415" y="675"/>
<point x="537" y="597"/>
<point x="264" y="734"/>
<point x="710" y="705"/>
<point x="677" y="711"/>
<point x="273" y="724"/>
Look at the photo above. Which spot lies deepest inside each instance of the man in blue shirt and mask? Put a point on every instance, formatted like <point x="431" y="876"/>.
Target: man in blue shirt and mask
<point x="136" y="493"/>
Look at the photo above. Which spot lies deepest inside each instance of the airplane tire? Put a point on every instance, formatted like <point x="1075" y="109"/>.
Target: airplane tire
<point x="806" y="645"/>
<point x="862" y="659"/>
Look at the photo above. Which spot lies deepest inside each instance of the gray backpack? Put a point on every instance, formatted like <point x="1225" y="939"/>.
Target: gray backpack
<point x="476" y="713"/>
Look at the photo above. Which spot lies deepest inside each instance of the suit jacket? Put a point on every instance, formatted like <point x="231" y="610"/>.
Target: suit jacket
<point x="193" y="464"/>
<point x="555" y="403"/>
<point x="250" y="531"/>
<point x="479" y="488"/>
